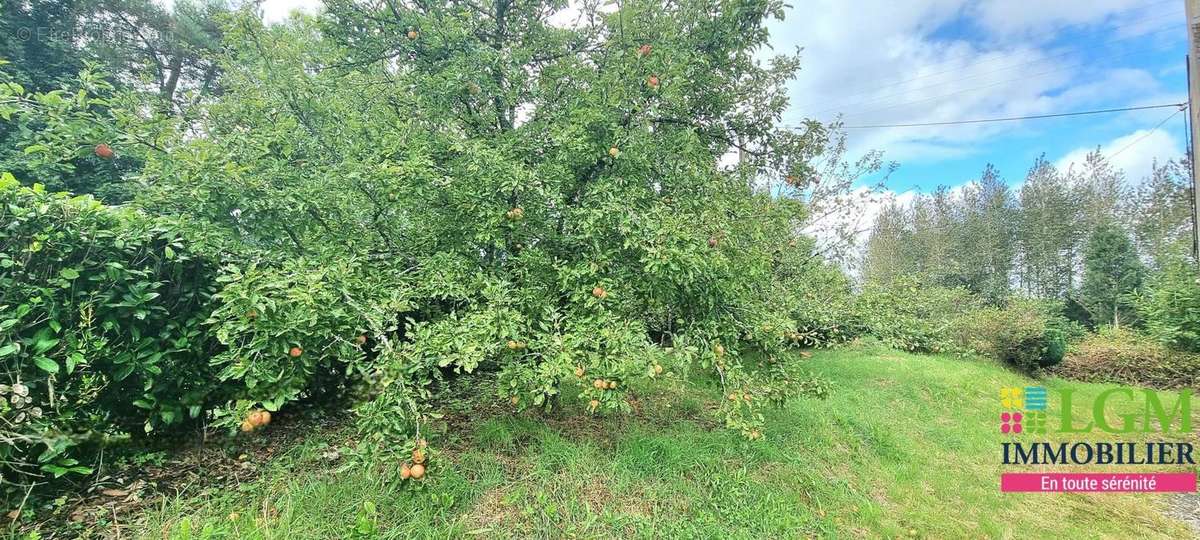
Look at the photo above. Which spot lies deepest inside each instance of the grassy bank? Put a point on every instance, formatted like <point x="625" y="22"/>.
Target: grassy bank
<point x="906" y="446"/>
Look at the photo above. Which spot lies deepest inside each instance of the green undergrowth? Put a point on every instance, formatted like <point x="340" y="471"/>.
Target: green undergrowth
<point x="905" y="446"/>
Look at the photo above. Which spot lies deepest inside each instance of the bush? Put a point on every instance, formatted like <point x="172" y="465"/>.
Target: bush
<point x="1022" y="333"/>
<point x="101" y="327"/>
<point x="825" y="315"/>
<point x="1125" y="357"/>
<point x="909" y="315"/>
<point x="298" y="327"/>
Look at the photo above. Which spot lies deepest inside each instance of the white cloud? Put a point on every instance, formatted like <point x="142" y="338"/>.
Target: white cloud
<point x="1026" y="17"/>
<point x="854" y="221"/>
<point x="1134" y="153"/>
<point x="883" y="62"/>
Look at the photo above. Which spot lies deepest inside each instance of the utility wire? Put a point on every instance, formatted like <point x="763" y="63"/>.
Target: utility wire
<point x="1015" y="118"/>
<point x="1181" y="108"/>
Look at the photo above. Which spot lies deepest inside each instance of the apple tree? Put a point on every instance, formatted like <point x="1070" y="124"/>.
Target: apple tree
<point x="577" y="197"/>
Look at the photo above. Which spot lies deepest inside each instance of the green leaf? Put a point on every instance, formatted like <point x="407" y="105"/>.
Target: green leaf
<point x="46" y="364"/>
<point x="69" y="273"/>
<point x="73" y="360"/>
<point x="44" y="344"/>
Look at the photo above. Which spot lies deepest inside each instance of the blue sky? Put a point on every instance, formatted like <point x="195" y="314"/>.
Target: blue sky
<point x="879" y="61"/>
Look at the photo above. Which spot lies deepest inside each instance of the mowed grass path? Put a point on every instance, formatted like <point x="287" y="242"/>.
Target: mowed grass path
<point x="906" y="446"/>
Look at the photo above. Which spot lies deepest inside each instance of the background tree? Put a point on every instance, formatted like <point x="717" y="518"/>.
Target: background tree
<point x="984" y="236"/>
<point x="1048" y="233"/>
<point x="1161" y="213"/>
<point x="1111" y="271"/>
<point x="38" y="38"/>
<point x="172" y="53"/>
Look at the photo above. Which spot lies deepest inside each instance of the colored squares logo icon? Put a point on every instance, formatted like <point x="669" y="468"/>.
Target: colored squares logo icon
<point x="1034" y="422"/>
<point x="1011" y="422"/>
<point x="1012" y="398"/>
<point x="1035" y="398"/>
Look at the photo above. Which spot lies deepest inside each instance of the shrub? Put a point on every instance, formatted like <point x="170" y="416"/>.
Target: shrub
<point x="101" y="327"/>
<point x="1022" y="333"/>
<point x="298" y="327"/>
<point x="909" y="315"/>
<point x="1126" y="357"/>
<point x="825" y="315"/>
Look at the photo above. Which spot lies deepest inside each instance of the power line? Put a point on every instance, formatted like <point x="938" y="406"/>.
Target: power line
<point x="1182" y="106"/>
<point x="1015" y="118"/>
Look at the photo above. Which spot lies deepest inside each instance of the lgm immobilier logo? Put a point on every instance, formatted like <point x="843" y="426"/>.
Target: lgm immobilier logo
<point x="1025" y="418"/>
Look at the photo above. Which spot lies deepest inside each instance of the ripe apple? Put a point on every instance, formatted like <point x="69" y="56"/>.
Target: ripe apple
<point x="599" y="292"/>
<point x="593" y="404"/>
<point x="644" y="50"/>
<point x="417" y="471"/>
<point x="361" y="340"/>
<point x="712" y="241"/>
<point x="405" y="471"/>
<point x="103" y="151"/>
<point x="412" y="33"/>
<point x="418" y="456"/>
<point x="295" y="352"/>
<point x="614" y="152"/>
<point x="516" y="214"/>
<point x="579" y="371"/>
<point x="599" y="384"/>
<point x="652" y="82"/>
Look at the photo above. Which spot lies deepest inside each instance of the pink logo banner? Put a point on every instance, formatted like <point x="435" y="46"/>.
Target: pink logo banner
<point x="1097" y="482"/>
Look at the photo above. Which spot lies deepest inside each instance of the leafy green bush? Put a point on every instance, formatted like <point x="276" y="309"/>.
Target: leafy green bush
<point x="826" y="313"/>
<point x="1120" y="355"/>
<point x="1022" y="333"/>
<point x="101" y="327"/>
<point x="909" y="315"/>
<point x="298" y="327"/>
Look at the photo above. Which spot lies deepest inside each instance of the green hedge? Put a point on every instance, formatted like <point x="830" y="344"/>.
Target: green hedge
<point x="101" y="328"/>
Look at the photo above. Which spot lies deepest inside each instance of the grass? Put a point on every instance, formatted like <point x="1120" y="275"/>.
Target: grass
<point x="906" y="446"/>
